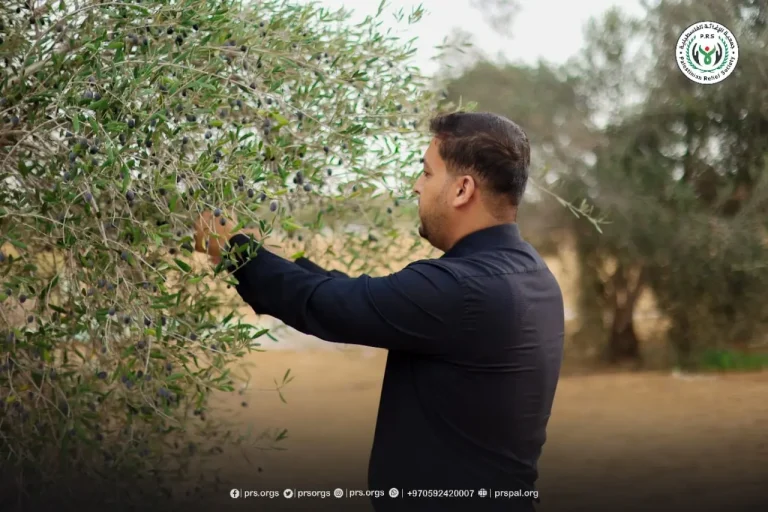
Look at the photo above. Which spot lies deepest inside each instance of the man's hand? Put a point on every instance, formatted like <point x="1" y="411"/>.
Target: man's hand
<point x="212" y="234"/>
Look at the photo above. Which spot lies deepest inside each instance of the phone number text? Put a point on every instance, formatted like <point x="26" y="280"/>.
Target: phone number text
<point x="441" y="493"/>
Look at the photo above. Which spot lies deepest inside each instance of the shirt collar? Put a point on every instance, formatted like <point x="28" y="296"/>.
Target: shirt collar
<point x="502" y="235"/>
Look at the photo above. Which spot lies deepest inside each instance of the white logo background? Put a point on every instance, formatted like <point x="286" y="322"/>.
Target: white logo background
<point x="707" y="52"/>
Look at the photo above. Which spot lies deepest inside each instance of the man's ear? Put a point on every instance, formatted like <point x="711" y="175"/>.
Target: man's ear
<point x="464" y="189"/>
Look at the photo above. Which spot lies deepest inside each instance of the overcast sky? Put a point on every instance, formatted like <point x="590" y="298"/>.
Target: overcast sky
<point x="544" y="29"/>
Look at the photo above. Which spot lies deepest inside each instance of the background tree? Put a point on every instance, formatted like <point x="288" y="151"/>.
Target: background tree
<point x="121" y="122"/>
<point x="682" y="180"/>
<point x="676" y="170"/>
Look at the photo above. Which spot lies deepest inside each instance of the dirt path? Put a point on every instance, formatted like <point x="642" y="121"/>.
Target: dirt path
<point x="623" y="442"/>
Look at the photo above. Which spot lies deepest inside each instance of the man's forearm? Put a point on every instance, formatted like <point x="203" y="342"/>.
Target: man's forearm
<point x="274" y="285"/>
<point x="314" y="267"/>
<point x="303" y="262"/>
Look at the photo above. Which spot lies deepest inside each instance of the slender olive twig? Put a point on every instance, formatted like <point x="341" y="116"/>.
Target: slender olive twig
<point x="37" y="65"/>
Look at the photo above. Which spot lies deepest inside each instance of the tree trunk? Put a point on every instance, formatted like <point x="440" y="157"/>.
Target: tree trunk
<point x="623" y="345"/>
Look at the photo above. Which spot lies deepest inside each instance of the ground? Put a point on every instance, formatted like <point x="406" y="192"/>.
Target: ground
<point x="621" y="441"/>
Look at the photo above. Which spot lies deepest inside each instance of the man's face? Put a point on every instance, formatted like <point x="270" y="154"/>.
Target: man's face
<point x="432" y="188"/>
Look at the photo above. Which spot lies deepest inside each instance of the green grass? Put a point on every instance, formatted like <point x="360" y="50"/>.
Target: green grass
<point x="732" y="360"/>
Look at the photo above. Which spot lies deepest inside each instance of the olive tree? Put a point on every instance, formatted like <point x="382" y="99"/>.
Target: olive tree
<point x="119" y="123"/>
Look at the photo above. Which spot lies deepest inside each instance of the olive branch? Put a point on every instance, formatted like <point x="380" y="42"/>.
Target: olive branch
<point x="726" y="54"/>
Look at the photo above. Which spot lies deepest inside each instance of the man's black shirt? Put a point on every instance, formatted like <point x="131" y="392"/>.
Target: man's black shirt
<point x="475" y="341"/>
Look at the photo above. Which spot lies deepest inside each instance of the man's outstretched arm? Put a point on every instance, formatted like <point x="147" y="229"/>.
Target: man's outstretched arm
<point x="417" y="309"/>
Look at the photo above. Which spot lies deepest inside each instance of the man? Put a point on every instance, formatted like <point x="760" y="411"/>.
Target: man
<point x="475" y="337"/>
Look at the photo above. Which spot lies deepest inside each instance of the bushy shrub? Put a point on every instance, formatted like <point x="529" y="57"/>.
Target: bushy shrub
<point x="119" y="123"/>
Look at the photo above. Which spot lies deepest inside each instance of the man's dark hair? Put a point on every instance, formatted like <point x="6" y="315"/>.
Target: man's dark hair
<point x="490" y="147"/>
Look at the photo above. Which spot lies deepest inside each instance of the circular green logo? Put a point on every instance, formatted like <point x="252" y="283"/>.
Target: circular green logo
<point x="707" y="52"/>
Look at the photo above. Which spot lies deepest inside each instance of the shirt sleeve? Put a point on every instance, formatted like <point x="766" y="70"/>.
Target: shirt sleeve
<point x="416" y="309"/>
<point x="314" y="267"/>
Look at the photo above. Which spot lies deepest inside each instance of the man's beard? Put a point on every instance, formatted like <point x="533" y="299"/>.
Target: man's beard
<point x="423" y="232"/>
<point x="431" y="228"/>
